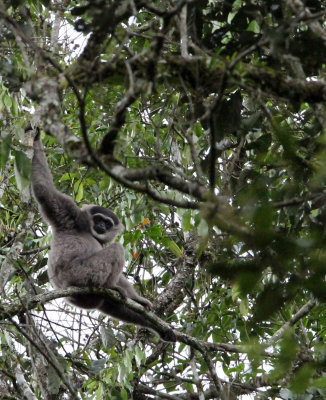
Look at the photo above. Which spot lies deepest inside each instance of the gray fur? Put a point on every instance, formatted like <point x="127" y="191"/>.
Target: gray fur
<point x="77" y="256"/>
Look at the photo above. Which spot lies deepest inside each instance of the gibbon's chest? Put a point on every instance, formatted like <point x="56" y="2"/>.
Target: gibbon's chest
<point x="67" y="247"/>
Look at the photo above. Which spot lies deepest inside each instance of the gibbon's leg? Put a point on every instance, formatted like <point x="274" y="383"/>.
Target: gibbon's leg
<point x="121" y="312"/>
<point x="131" y="292"/>
<point x="101" y="269"/>
<point x="86" y="301"/>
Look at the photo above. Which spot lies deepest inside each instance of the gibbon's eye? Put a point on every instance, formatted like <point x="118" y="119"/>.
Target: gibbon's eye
<point x="97" y="219"/>
<point x="108" y="223"/>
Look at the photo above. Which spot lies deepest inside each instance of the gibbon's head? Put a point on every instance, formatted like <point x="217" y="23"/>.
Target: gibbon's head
<point x="104" y="224"/>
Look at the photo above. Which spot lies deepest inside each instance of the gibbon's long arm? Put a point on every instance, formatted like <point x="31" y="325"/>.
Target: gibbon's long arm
<point x="57" y="208"/>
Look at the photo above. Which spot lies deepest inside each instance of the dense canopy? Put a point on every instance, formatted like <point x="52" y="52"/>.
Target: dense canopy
<point x="202" y="125"/>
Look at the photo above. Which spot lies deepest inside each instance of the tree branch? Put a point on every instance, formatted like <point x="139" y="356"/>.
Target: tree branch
<point x="304" y="310"/>
<point x="28" y="303"/>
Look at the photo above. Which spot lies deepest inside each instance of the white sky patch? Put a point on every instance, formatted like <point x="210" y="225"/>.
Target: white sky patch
<point x="73" y="40"/>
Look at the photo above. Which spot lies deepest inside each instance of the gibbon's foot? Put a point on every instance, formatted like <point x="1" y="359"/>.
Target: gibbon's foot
<point x="121" y="292"/>
<point x="145" y="303"/>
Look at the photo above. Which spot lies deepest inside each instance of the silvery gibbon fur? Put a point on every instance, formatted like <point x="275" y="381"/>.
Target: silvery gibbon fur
<point x="78" y="256"/>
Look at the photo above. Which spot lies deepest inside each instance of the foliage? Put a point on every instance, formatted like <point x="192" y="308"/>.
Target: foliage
<point x="202" y="125"/>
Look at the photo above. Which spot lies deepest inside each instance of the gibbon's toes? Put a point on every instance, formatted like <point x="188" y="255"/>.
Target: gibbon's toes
<point x="121" y="292"/>
<point x="148" y="305"/>
<point x="168" y="336"/>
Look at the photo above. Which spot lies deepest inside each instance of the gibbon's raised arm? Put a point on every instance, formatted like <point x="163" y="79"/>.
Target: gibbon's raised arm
<point x="58" y="209"/>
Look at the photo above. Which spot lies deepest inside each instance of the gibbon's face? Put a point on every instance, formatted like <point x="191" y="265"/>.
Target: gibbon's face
<point x="104" y="224"/>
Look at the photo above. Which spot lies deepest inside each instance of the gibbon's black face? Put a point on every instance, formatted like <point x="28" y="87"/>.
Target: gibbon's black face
<point x="104" y="224"/>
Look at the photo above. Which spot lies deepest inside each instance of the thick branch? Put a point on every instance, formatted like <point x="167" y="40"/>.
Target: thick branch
<point x="173" y="292"/>
<point x="28" y="303"/>
<point x="173" y="181"/>
<point x="297" y="90"/>
<point x="270" y="80"/>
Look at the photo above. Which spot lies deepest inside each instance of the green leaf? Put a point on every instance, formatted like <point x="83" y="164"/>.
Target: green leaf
<point x="107" y="335"/>
<point x="231" y="16"/>
<point x="97" y="366"/>
<point x="24" y="164"/>
<point x="7" y="101"/>
<point x="319" y="383"/>
<point x="186" y="221"/>
<point x="139" y="356"/>
<point x="14" y="108"/>
<point x="154" y="232"/>
<point x="301" y="379"/>
<point x="5" y="150"/>
<point x="172" y="246"/>
<point x="253" y="27"/>
<point x="23" y="170"/>
<point x="99" y="392"/>
<point x="68" y="176"/>
<point x="203" y="229"/>
<point x="124" y="394"/>
<point x="20" y="132"/>
<point x="79" y="188"/>
<point x="244" y="307"/>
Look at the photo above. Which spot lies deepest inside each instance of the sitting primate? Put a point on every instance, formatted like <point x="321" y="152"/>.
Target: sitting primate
<point x="77" y="256"/>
